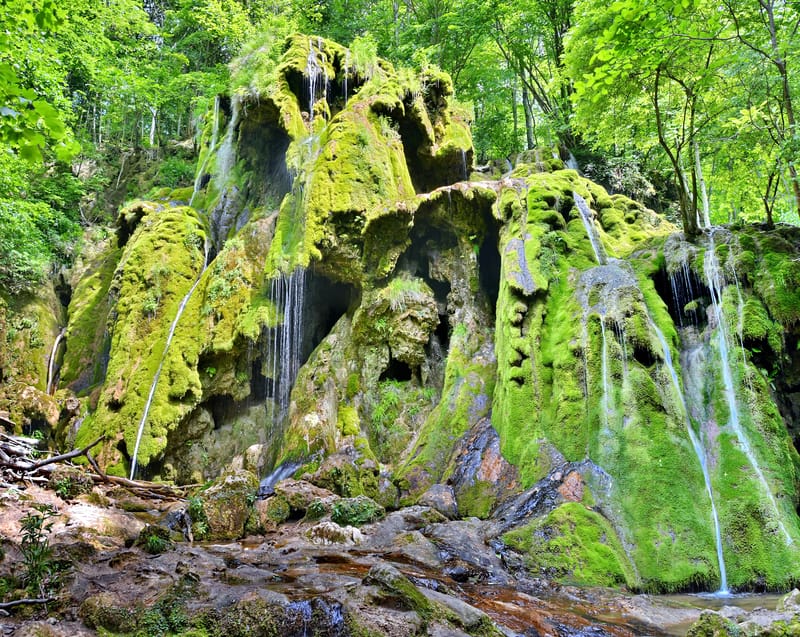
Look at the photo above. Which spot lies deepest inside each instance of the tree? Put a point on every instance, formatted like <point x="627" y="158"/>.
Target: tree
<point x="530" y="35"/>
<point x="769" y="29"/>
<point x="32" y="109"/>
<point x="661" y="60"/>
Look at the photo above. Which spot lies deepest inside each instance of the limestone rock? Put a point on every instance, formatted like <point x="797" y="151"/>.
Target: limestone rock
<point x="227" y="504"/>
<point x="299" y="494"/>
<point x="790" y="602"/>
<point x="331" y="533"/>
<point x="441" y="498"/>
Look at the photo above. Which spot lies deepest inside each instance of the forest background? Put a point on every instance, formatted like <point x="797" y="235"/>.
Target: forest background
<point x="687" y="105"/>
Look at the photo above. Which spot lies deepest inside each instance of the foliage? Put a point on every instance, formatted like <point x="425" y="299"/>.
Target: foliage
<point x="31" y="235"/>
<point x="37" y="555"/>
<point x="154" y="539"/>
<point x="356" y="511"/>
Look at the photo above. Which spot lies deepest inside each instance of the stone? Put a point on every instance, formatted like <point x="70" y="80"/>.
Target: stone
<point x="327" y="533"/>
<point x="227" y="504"/>
<point x="713" y="624"/>
<point x="790" y="602"/>
<point x="299" y="494"/>
<point x="441" y="498"/>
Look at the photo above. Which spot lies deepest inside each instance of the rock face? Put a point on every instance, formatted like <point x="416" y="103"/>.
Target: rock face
<point x="531" y="351"/>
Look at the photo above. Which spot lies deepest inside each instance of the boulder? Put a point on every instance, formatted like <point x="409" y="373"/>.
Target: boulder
<point x="228" y="502"/>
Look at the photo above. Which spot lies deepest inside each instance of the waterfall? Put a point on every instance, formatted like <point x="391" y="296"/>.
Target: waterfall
<point x="606" y="403"/>
<point x="698" y="450"/>
<point x="154" y="384"/>
<point x="214" y="134"/>
<point x="682" y="290"/>
<point x="716" y="281"/>
<point x="591" y="231"/>
<point x="314" y="73"/>
<point x="281" y="472"/>
<point x="51" y="366"/>
<point x="285" y="348"/>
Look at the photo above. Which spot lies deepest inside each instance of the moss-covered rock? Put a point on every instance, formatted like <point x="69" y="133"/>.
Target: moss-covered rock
<point x="573" y="544"/>
<point x="228" y="503"/>
<point x="356" y="511"/>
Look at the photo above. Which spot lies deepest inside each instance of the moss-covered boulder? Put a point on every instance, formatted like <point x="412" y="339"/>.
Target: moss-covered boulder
<point x="228" y="503"/>
<point x="573" y="544"/>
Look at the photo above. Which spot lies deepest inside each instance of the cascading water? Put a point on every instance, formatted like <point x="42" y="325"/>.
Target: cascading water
<point x="154" y="384"/>
<point x="699" y="452"/>
<point x="586" y="217"/>
<point x="314" y="73"/>
<point x="226" y="155"/>
<point x="716" y="281"/>
<point x="285" y="348"/>
<point x="681" y="284"/>
<point x="223" y="216"/>
<point x="606" y="403"/>
<point x="51" y="367"/>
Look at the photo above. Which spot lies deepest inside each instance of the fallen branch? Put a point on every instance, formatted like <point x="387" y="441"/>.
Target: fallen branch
<point x="65" y="456"/>
<point x="19" y="602"/>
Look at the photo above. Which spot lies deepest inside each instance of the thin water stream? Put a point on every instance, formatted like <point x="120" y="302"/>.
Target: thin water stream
<point x="714" y="278"/>
<point x="699" y="452"/>
<point x="154" y="384"/>
<point x="591" y="231"/>
<point x="51" y="366"/>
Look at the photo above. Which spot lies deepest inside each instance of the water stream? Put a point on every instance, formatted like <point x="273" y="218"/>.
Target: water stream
<point x="51" y="366"/>
<point x="285" y="348"/>
<point x="591" y="231"/>
<point x="154" y="384"/>
<point x="606" y="404"/>
<point x="715" y="281"/>
<point x="699" y="452"/>
<point x="315" y="75"/>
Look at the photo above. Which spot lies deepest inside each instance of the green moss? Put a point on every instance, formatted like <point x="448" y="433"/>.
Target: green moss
<point x="88" y="313"/>
<point x="468" y="383"/>
<point x="348" y="421"/>
<point x="277" y="509"/>
<point x="167" y="245"/>
<point x="574" y="545"/>
<point x="477" y="499"/>
<point x="356" y="511"/>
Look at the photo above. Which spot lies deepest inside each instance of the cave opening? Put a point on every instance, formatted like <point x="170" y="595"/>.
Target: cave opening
<point x="686" y="296"/>
<point x="397" y="370"/>
<point x="223" y="408"/>
<point x="263" y="143"/>
<point x="489" y="265"/>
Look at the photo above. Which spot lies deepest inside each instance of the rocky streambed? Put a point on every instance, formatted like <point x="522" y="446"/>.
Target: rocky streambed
<point x="413" y="572"/>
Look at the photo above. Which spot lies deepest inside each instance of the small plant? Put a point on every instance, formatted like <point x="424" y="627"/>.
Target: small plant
<point x="37" y="555"/>
<point x="154" y="539"/>
<point x="197" y="514"/>
<point x="64" y="488"/>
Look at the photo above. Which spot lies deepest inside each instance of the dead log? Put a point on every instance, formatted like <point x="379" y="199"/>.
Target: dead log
<point x="19" y="602"/>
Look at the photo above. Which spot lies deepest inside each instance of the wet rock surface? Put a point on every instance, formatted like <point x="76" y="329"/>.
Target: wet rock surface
<point x="412" y="573"/>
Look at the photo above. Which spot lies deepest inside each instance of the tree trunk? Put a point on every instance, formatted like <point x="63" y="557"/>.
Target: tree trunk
<point x="529" y="121"/>
<point x="688" y="205"/>
<point x="153" y="113"/>
<point x="515" y="116"/>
